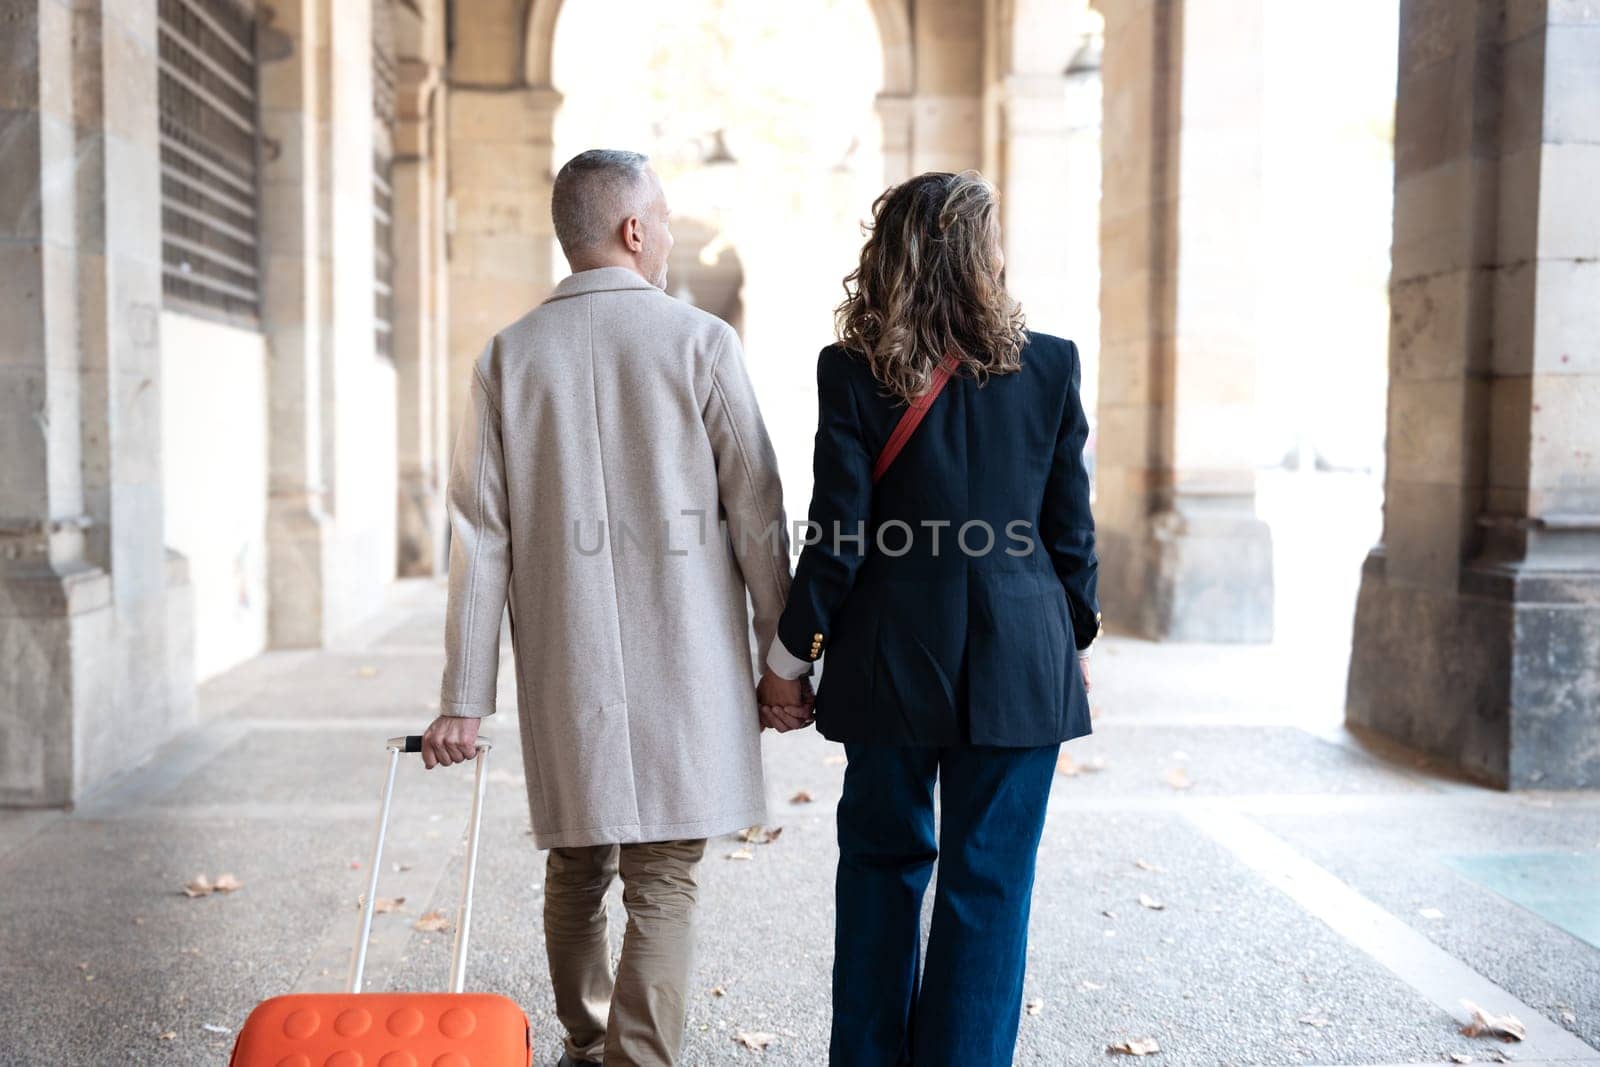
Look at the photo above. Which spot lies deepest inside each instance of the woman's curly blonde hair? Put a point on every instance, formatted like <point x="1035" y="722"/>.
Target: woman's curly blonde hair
<point x="930" y="282"/>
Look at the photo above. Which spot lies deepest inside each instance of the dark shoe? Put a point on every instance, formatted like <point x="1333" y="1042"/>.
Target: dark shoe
<point x="568" y="1061"/>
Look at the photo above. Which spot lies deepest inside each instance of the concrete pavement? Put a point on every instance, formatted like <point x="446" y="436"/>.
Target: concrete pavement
<point x="1322" y="902"/>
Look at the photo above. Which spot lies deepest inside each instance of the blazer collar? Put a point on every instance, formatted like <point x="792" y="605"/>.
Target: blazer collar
<point x="598" y="280"/>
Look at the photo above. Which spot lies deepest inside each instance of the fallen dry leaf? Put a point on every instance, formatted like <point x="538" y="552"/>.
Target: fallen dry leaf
<point x="1485" y="1024"/>
<point x="754" y="1039"/>
<point x="1034" y="1006"/>
<point x="1145" y="866"/>
<point x="759" y="835"/>
<point x="166" y="1035"/>
<point x="1177" y="778"/>
<point x="741" y="854"/>
<point x="718" y="991"/>
<point x="1139" y="1046"/>
<point x="1148" y="901"/>
<point x="401" y="868"/>
<point x="802" y="797"/>
<point x="432" y="922"/>
<point x="385" y="905"/>
<point x="202" y="886"/>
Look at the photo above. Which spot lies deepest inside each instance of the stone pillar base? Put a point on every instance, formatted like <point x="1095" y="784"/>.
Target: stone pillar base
<point x="1190" y="577"/>
<point x="81" y="701"/>
<point x="421" y="549"/>
<point x="1498" y="678"/>
<point x="56" y="624"/>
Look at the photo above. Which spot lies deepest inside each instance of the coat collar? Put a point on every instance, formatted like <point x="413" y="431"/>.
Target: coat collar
<point x="598" y="280"/>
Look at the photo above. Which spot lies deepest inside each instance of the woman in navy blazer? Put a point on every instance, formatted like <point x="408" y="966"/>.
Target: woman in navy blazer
<point x="955" y="600"/>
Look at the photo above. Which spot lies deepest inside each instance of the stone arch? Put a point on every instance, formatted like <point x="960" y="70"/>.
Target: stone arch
<point x="894" y="32"/>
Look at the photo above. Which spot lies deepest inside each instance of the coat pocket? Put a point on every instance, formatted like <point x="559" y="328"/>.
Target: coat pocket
<point x="586" y="767"/>
<point x="1018" y="655"/>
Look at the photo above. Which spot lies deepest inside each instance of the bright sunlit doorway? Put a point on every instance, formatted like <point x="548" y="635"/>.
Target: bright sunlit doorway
<point x="760" y="119"/>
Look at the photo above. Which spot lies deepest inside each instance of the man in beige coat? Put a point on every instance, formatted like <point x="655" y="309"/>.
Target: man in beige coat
<point x="609" y="431"/>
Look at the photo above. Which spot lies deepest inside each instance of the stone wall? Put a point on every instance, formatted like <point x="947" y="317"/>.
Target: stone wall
<point x="1477" y="635"/>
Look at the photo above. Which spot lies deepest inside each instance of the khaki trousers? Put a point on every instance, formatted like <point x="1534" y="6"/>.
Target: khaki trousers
<point x="636" y="1018"/>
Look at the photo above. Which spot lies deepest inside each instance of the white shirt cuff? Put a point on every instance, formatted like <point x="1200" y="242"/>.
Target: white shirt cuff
<point x="784" y="665"/>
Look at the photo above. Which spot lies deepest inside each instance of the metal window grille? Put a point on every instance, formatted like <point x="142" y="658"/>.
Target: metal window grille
<point x="210" y="131"/>
<point x="383" y="121"/>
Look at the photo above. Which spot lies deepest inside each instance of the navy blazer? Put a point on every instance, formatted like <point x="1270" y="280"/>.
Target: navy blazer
<point x="951" y="596"/>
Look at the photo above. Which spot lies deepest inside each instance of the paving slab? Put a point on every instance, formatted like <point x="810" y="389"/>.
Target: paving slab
<point x="1409" y="866"/>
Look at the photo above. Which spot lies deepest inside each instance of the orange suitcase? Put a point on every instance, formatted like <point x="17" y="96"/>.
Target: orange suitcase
<point x="357" y="1029"/>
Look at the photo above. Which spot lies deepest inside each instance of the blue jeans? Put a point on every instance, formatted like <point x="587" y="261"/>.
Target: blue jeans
<point x="967" y="1006"/>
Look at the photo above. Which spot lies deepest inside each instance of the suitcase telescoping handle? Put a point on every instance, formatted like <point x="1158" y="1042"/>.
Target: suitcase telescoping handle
<point x="458" y="954"/>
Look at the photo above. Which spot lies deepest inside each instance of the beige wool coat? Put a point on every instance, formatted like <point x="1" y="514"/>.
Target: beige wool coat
<point x="608" y="431"/>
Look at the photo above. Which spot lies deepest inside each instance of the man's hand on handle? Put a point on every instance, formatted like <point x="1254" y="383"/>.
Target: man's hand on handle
<point x="449" y="739"/>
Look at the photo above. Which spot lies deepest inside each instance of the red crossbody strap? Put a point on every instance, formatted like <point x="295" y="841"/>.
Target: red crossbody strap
<point x="912" y="417"/>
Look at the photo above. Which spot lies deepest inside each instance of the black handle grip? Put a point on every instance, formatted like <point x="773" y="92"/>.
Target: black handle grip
<point x="413" y="743"/>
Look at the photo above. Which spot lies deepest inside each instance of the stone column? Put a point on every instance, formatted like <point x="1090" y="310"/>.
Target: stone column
<point x="296" y="296"/>
<point x="946" y="106"/>
<point x="1182" y="554"/>
<point x="331" y="404"/>
<point x="96" y="644"/>
<point x="1034" y="194"/>
<point x="418" y="178"/>
<point x="1477" y="632"/>
<point x="503" y="253"/>
<point x="894" y="115"/>
<point x="1031" y="158"/>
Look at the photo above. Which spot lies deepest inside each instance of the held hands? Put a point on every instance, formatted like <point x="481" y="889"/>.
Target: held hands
<point x="785" y="704"/>
<point x="449" y="739"/>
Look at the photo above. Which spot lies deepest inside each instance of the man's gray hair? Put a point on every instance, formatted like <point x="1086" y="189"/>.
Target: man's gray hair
<point x="594" y="193"/>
